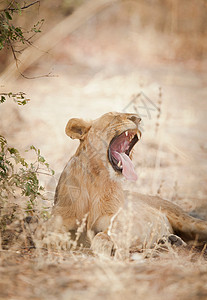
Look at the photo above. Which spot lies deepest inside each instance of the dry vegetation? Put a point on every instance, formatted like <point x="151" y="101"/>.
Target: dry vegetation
<point x="131" y="50"/>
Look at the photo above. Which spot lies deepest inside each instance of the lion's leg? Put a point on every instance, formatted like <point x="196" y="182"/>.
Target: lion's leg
<point x="97" y="232"/>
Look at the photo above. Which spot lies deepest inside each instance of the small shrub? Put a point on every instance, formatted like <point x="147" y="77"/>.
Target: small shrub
<point x="17" y="177"/>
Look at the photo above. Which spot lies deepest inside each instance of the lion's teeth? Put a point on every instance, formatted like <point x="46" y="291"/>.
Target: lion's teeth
<point x="139" y="135"/>
<point x="126" y="133"/>
<point x="119" y="164"/>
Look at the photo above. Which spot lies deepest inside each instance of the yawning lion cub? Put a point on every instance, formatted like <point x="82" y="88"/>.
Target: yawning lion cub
<point x="90" y="187"/>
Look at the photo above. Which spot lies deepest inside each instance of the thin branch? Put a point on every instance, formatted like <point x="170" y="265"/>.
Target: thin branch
<point x="21" y="8"/>
<point x="10" y="4"/>
<point x="23" y="75"/>
<point x="33" y="3"/>
<point x="66" y="27"/>
<point x="44" y="173"/>
<point x="14" y="94"/>
<point x="26" y="40"/>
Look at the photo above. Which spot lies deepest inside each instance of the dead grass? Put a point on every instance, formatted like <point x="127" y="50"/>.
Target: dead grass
<point x="61" y="275"/>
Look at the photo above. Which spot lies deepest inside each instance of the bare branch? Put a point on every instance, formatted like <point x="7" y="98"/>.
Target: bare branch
<point x="47" y="41"/>
<point x="21" y="8"/>
<point x="22" y="74"/>
<point x="31" y="4"/>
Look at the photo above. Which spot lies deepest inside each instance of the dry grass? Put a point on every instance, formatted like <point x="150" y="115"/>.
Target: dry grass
<point x="62" y="275"/>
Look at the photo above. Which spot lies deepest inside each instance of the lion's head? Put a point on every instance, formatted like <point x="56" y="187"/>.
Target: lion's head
<point x="108" y="141"/>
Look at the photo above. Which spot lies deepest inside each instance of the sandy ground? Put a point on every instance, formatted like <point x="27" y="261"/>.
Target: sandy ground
<point x="64" y="276"/>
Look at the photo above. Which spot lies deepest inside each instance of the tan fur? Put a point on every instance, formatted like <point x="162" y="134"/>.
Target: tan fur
<point x="89" y="186"/>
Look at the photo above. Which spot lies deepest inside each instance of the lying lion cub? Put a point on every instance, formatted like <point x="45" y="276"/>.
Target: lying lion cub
<point x="90" y="187"/>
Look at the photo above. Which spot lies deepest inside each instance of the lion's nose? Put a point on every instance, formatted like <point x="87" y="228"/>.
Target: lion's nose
<point x="135" y="118"/>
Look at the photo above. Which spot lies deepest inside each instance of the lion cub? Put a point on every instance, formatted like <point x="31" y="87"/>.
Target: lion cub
<point x="90" y="187"/>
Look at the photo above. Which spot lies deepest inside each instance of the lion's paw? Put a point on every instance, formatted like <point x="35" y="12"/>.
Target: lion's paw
<point x="103" y="245"/>
<point x="171" y="239"/>
<point x="175" y="240"/>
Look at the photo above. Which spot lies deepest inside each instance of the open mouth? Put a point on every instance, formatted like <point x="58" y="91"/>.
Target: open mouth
<point x="119" y="153"/>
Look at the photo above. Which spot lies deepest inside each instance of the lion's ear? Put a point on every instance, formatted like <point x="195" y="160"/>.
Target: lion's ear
<point x="77" y="128"/>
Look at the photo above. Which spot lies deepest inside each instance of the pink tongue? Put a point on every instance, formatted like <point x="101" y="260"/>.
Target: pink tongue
<point x="128" y="168"/>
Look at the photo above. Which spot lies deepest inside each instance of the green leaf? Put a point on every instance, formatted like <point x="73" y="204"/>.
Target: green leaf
<point x="33" y="148"/>
<point x="8" y="16"/>
<point x="3" y="99"/>
<point x="13" y="151"/>
<point x="41" y="159"/>
<point x="24" y="102"/>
